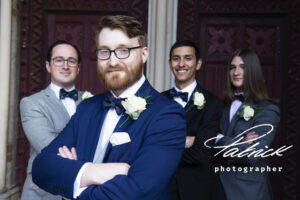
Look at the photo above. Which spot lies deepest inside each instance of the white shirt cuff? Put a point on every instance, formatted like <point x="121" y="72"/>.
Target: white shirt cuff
<point x="77" y="190"/>
<point x="219" y="136"/>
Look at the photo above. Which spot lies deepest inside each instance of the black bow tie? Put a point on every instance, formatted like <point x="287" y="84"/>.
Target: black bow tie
<point x="72" y="94"/>
<point x="239" y="97"/>
<point x="182" y="95"/>
<point x="111" y="102"/>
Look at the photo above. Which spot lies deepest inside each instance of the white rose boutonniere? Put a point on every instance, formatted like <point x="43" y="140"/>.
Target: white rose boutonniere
<point x="199" y="100"/>
<point x="86" y="95"/>
<point x="247" y="112"/>
<point x="134" y="106"/>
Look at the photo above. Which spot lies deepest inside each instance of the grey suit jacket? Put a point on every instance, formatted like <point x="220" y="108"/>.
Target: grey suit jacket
<point x="240" y="184"/>
<point x="43" y="117"/>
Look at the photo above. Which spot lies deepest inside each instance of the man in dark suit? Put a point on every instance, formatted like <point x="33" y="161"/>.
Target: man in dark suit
<point x="114" y="148"/>
<point x="195" y="177"/>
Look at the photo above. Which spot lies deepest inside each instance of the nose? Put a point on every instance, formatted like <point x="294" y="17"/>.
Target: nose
<point x="237" y="71"/>
<point x="113" y="60"/>
<point x="181" y="62"/>
<point x="65" y="65"/>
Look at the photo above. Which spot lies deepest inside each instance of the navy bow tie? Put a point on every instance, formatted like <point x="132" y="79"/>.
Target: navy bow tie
<point x="182" y="95"/>
<point x="72" y="94"/>
<point x="239" y="97"/>
<point x="111" y="102"/>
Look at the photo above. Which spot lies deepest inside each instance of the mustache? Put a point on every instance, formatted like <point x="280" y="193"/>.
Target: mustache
<point x="113" y="69"/>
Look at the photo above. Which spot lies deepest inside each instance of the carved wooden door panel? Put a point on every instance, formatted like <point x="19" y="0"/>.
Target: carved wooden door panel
<point x="220" y="36"/>
<point x="271" y="28"/>
<point x="80" y="30"/>
<point x="45" y="21"/>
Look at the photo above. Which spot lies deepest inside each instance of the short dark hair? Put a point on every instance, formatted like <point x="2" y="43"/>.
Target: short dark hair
<point x="185" y="43"/>
<point x="59" y="42"/>
<point x="254" y="86"/>
<point x="128" y="24"/>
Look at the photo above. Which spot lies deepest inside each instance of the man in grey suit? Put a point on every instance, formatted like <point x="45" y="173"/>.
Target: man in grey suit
<point x="47" y="112"/>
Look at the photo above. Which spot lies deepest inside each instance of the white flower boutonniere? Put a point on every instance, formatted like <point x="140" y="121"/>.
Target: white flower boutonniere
<point x="199" y="100"/>
<point x="134" y="106"/>
<point x="247" y="112"/>
<point x="86" y="95"/>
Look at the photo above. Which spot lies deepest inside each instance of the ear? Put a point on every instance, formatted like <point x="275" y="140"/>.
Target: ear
<point x="145" y="54"/>
<point x="48" y="67"/>
<point x="199" y="64"/>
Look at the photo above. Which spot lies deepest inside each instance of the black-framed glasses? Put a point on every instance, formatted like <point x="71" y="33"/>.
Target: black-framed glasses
<point x="120" y="53"/>
<point x="60" y="61"/>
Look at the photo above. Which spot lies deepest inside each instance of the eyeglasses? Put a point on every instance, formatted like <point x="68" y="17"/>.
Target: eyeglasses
<point x="120" y="53"/>
<point x="60" y="61"/>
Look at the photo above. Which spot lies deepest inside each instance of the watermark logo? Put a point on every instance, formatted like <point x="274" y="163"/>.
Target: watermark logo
<point x="233" y="150"/>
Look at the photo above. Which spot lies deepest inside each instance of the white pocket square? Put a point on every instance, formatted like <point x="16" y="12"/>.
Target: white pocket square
<point x="118" y="138"/>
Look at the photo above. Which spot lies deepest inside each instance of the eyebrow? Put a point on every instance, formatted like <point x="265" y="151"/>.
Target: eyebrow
<point x="186" y="55"/>
<point x="119" y="46"/>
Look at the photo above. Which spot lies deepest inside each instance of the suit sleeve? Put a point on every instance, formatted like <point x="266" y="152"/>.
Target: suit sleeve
<point x="206" y="129"/>
<point x="268" y="115"/>
<point x="156" y="161"/>
<point x="38" y="129"/>
<point x="53" y="173"/>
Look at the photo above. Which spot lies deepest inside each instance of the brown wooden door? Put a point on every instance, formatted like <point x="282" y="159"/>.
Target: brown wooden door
<point x="271" y="28"/>
<point x="78" y="29"/>
<point x="45" y="21"/>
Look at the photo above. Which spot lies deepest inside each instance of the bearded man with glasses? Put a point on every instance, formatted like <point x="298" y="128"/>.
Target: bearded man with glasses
<point x="124" y="144"/>
<point x="46" y="113"/>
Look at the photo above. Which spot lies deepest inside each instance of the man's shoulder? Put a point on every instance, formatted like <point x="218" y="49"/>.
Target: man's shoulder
<point x="92" y="101"/>
<point x="209" y="96"/>
<point x="36" y="96"/>
<point x="166" y="92"/>
<point x="160" y="102"/>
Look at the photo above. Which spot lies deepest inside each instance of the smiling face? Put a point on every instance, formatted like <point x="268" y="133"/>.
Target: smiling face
<point x="184" y="65"/>
<point x="63" y="76"/>
<point x="119" y="74"/>
<point x="236" y="73"/>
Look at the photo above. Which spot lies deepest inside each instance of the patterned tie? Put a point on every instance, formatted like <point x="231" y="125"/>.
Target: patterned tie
<point x="111" y="102"/>
<point x="182" y="95"/>
<point x="239" y="97"/>
<point x="72" y="94"/>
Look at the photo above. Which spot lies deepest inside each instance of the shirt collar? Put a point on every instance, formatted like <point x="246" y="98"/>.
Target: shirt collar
<point x="189" y="89"/>
<point x="132" y="89"/>
<point x="235" y="93"/>
<point x="56" y="89"/>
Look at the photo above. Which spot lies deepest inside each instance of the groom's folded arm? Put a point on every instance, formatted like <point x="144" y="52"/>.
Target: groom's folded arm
<point x="53" y="173"/>
<point x="155" y="163"/>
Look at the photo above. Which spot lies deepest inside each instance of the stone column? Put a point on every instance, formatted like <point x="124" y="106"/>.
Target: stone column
<point x="9" y="85"/>
<point x="161" y="35"/>
<point x="5" y="28"/>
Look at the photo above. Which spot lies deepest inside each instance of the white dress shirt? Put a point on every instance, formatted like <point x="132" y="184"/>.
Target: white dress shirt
<point x="189" y="89"/>
<point x="68" y="102"/>
<point x="110" y="121"/>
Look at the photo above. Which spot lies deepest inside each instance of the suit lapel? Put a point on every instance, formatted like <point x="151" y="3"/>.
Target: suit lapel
<point x="52" y="98"/>
<point x="79" y="98"/>
<point x="234" y="120"/>
<point x="125" y="121"/>
<point x="190" y="104"/>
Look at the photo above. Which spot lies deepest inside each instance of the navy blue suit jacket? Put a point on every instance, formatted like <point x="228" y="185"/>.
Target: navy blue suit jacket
<point x="157" y="141"/>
